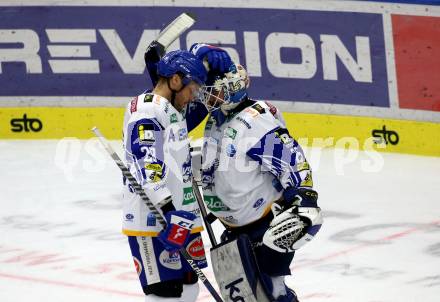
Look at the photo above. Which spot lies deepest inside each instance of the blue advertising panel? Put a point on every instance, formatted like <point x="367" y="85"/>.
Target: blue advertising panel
<point x="308" y="56"/>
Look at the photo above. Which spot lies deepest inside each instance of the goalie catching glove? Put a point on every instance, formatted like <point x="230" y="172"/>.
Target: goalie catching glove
<point x="296" y="223"/>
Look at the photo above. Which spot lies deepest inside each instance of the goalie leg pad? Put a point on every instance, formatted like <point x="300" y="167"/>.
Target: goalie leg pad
<point x="236" y="271"/>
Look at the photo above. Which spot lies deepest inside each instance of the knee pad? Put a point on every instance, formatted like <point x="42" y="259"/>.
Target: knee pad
<point x="166" y="289"/>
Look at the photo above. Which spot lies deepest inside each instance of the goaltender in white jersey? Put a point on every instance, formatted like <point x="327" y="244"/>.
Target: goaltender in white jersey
<point x="257" y="181"/>
<point x="235" y="188"/>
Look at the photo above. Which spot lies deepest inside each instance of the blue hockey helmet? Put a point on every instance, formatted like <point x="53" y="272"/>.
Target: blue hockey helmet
<point x="185" y="63"/>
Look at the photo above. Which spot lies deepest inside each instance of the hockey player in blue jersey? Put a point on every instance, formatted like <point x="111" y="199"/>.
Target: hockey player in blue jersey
<point x="156" y="149"/>
<point x="256" y="180"/>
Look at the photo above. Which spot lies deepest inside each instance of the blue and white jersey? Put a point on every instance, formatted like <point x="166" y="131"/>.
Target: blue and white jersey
<point x="248" y="162"/>
<point x="156" y="151"/>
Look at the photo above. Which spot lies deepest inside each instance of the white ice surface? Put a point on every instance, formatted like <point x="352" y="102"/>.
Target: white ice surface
<point x="60" y="228"/>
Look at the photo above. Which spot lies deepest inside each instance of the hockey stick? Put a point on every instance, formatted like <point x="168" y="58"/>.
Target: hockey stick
<point x="204" y="213"/>
<point x="168" y="35"/>
<point x="138" y="189"/>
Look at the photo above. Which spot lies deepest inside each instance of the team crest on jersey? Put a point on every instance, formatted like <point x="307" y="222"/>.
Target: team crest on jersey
<point x="146" y="134"/>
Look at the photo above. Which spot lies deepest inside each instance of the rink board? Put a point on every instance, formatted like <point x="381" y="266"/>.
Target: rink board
<point x="315" y="130"/>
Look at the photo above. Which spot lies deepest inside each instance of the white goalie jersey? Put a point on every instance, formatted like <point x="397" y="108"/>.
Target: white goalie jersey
<point x="248" y="162"/>
<point x="156" y="148"/>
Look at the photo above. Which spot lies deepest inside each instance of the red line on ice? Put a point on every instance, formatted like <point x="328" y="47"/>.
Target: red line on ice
<point x="365" y="245"/>
<point x="67" y="284"/>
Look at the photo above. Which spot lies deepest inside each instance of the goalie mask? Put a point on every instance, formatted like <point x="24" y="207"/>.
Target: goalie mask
<point x="227" y="92"/>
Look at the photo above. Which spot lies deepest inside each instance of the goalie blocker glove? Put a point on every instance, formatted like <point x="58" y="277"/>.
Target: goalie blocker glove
<point x="296" y="223"/>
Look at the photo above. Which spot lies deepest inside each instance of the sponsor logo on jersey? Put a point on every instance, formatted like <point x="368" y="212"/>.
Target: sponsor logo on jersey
<point x="258" y="107"/>
<point x="230" y="150"/>
<point x="308" y="181"/>
<point x="26" y="124"/>
<point x="252" y="112"/>
<point x="148" y="98"/>
<point x="258" y="203"/>
<point x="231" y="132"/>
<point x="170" y="260"/>
<point x="195" y="211"/>
<point x="188" y="196"/>
<point x="214" y="204"/>
<point x="151" y="219"/>
<point x="158" y="187"/>
<point x="229" y="219"/>
<point x="154" y="172"/>
<point x="183" y="134"/>
<point x="187" y="169"/>
<point x="129" y="217"/>
<point x="146" y="134"/>
<point x="137" y="265"/>
<point x="272" y="108"/>
<point x="283" y="135"/>
<point x="245" y="122"/>
<point x="209" y="123"/>
<point x="147" y="250"/>
<point x="173" y="118"/>
<point x="133" y="105"/>
<point x="302" y="166"/>
<point x="385" y="136"/>
<point x="195" y="249"/>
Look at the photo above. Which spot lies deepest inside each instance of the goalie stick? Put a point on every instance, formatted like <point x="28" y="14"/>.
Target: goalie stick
<point x="138" y="189"/>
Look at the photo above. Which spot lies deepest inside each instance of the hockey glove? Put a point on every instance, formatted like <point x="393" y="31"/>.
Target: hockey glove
<point x="296" y="223"/>
<point x="218" y="59"/>
<point x="177" y="232"/>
